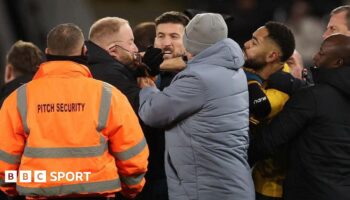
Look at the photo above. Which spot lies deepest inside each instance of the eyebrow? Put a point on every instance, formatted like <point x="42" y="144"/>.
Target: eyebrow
<point x="256" y="39"/>
<point x="165" y="33"/>
<point x="172" y="34"/>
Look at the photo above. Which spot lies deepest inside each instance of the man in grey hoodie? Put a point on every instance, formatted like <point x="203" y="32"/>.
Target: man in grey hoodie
<point x="205" y="112"/>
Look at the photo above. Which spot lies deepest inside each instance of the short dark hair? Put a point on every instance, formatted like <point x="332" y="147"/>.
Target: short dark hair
<point x="343" y="9"/>
<point x="144" y="34"/>
<point x="283" y="37"/>
<point x="172" y="17"/>
<point x="25" y="57"/>
<point x="65" y="39"/>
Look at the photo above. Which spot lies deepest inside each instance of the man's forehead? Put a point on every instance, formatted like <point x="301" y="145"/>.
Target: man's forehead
<point x="329" y="45"/>
<point x="124" y="32"/>
<point x="338" y="19"/>
<point x="170" y="28"/>
<point x="341" y="15"/>
<point x="261" y="32"/>
<point x="336" y="40"/>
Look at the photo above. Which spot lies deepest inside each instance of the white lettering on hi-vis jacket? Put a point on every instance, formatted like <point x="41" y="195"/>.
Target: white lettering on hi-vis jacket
<point x="60" y="107"/>
<point x="40" y="176"/>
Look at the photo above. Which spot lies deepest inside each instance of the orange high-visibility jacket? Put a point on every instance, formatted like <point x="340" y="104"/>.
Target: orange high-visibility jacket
<point x="64" y="122"/>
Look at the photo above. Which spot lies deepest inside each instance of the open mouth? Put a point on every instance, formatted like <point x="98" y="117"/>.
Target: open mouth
<point x="167" y="52"/>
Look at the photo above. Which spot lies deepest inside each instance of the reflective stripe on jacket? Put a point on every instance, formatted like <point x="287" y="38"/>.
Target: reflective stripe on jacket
<point x="65" y="122"/>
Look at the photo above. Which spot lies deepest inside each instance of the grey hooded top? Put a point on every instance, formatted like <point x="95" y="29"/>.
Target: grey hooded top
<point x="205" y="113"/>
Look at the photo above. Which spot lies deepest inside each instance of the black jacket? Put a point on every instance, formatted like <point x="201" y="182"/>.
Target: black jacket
<point x="105" y="68"/>
<point x="11" y="86"/>
<point x="316" y="124"/>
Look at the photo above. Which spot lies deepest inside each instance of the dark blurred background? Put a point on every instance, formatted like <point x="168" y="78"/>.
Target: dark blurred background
<point x="30" y="20"/>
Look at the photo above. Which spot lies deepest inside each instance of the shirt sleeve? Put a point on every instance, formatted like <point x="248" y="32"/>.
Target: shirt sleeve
<point x="184" y="96"/>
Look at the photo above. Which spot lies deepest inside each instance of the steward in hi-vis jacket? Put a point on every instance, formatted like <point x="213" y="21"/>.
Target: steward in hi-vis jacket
<point x="70" y="134"/>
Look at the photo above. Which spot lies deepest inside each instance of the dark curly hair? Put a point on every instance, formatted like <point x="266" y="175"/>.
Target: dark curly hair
<point x="283" y="37"/>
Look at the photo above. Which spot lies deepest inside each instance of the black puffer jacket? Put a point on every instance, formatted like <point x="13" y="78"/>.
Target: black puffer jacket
<point x="11" y="86"/>
<point x="316" y="123"/>
<point x="105" y="68"/>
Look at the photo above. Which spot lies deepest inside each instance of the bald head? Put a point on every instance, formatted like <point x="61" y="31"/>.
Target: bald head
<point x="334" y="52"/>
<point x="102" y="32"/>
<point x="65" y="40"/>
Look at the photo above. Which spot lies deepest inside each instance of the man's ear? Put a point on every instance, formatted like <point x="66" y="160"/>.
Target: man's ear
<point x="339" y="62"/>
<point x="113" y="52"/>
<point x="9" y="73"/>
<point x="272" y="56"/>
<point x="84" y="51"/>
<point x="47" y="51"/>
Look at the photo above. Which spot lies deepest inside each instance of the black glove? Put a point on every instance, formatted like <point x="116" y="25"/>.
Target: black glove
<point x="153" y="58"/>
<point x="284" y="82"/>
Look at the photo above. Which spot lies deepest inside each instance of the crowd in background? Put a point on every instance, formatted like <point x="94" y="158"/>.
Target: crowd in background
<point x="306" y="18"/>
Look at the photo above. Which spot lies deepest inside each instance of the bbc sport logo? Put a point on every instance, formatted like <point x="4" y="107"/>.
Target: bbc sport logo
<point x="41" y="176"/>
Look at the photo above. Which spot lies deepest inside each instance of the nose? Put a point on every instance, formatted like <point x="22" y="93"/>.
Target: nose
<point x="325" y="34"/>
<point x="134" y="48"/>
<point x="167" y="41"/>
<point x="247" y="44"/>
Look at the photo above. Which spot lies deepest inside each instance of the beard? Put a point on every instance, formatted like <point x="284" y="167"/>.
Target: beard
<point x="254" y="64"/>
<point x="126" y="58"/>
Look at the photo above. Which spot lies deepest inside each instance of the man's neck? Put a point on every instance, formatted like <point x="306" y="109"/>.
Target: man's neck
<point x="173" y="64"/>
<point x="268" y="70"/>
